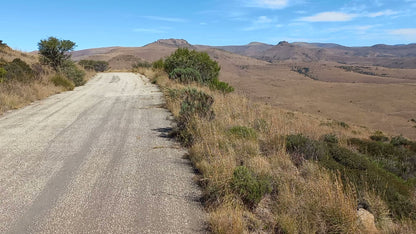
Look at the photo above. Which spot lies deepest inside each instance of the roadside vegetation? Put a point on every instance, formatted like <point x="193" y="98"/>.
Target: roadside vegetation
<point x="265" y="169"/>
<point x="25" y="78"/>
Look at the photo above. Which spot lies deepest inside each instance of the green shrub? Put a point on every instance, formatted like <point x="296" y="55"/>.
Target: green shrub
<point x="158" y="64"/>
<point x="195" y="104"/>
<point x="185" y="75"/>
<point x="379" y="136"/>
<point x="221" y="86"/>
<point x="243" y="132"/>
<point x="73" y="73"/>
<point x="400" y="140"/>
<point x="302" y="148"/>
<point x="249" y="187"/>
<point x="17" y="70"/>
<point x="199" y="61"/>
<point x="95" y="65"/>
<point x="60" y="80"/>
<point x="395" y="158"/>
<point x="330" y="138"/>
<point x="362" y="170"/>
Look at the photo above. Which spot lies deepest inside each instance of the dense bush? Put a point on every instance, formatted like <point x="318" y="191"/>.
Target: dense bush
<point x="249" y="187"/>
<point x="200" y="61"/>
<point x="362" y="170"/>
<point x="185" y="75"/>
<point x="60" y="80"/>
<point x="16" y="70"/>
<point x="379" y="136"/>
<point x="73" y="73"/>
<point x="393" y="157"/>
<point x="95" y="65"/>
<point x="195" y="104"/>
<point x="221" y="86"/>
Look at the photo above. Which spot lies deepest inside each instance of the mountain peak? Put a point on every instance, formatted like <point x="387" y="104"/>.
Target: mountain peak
<point x="174" y="42"/>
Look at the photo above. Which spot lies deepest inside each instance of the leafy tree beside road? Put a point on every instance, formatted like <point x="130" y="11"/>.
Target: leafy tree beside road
<point x="54" y="52"/>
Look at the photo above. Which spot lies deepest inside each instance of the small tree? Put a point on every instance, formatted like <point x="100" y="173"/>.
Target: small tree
<point x="54" y="52"/>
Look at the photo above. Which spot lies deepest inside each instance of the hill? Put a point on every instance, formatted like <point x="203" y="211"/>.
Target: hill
<point x="392" y="56"/>
<point x="306" y="77"/>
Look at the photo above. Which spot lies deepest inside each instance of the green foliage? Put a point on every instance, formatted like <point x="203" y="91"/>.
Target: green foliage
<point x="221" y="86"/>
<point x="199" y="61"/>
<point x="379" y="136"/>
<point x="195" y="104"/>
<point x="302" y="148"/>
<point x="400" y="140"/>
<point x="249" y="187"/>
<point x="60" y="80"/>
<point x="363" y="170"/>
<point x="330" y="138"/>
<point x="54" y="52"/>
<point x="393" y="157"/>
<point x="243" y="132"/>
<point x="17" y="70"/>
<point x="95" y="65"/>
<point x="158" y="64"/>
<point x="73" y="73"/>
<point x="185" y="75"/>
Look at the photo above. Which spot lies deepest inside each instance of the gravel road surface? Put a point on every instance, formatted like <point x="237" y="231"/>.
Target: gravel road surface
<point x="96" y="160"/>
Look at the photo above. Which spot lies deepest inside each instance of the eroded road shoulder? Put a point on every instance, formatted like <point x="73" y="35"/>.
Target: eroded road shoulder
<point x="96" y="160"/>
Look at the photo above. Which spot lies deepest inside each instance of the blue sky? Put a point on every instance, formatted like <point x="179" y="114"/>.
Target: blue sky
<point x="100" y="23"/>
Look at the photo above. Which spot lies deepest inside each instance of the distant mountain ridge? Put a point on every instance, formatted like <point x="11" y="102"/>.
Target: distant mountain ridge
<point x="393" y="56"/>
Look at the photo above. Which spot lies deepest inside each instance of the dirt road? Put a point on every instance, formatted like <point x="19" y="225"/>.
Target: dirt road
<point x="96" y="160"/>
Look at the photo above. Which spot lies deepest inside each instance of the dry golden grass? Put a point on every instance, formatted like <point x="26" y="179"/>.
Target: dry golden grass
<point x="305" y="199"/>
<point x="16" y="95"/>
